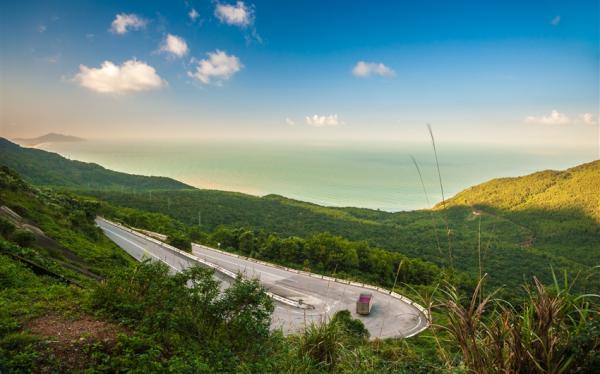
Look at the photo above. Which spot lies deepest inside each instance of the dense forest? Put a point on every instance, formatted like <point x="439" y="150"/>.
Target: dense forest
<point x="560" y="208"/>
<point x="513" y="245"/>
<point x="73" y="301"/>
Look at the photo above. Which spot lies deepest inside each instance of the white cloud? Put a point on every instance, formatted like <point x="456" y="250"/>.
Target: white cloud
<point x="366" y="69"/>
<point x="125" y="22"/>
<point x="131" y="76"/>
<point x="193" y="14"/>
<point x="237" y="15"/>
<point x="218" y="67"/>
<point x="290" y="121"/>
<point x="554" y="118"/>
<point x="555" y="21"/>
<point x="323" y="121"/>
<point x="589" y="119"/>
<point x="175" y="45"/>
<point x="41" y="29"/>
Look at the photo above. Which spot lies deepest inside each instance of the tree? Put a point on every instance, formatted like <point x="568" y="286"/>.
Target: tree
<point x="247" y="242"/>
<point x="247" y="312"/>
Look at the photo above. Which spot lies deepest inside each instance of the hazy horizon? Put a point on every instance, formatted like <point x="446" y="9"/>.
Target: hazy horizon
<point x="372" y="175"/>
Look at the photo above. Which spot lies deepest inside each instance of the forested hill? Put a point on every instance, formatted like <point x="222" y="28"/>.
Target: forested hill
<point x="573" y="189"/>
<point x="561" y="209"/>
<point x="47" y="168"/>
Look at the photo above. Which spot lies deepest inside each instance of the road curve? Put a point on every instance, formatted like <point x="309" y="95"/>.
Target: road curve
<point x="392" y="315"/>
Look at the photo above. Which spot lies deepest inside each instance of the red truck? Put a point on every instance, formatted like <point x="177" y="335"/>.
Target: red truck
<point x="364" y="304"/>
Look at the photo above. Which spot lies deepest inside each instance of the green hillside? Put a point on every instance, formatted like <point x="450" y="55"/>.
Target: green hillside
<point x="50" y="169"/>
<point x="576" y="188"/>
<point x="560" y="208"/>
<point x="57" y="228"/>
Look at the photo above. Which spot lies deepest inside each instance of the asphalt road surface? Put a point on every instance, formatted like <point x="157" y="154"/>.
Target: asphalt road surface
<point x="389" y="317"/>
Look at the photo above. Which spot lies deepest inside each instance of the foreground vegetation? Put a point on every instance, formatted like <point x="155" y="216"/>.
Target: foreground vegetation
<point x="144" y="319"/>
<point x="70" y="300"/>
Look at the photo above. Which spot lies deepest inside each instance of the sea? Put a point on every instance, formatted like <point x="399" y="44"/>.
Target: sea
<point x="359" y="174"/>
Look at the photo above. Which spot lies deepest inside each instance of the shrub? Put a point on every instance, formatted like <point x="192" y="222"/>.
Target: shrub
<point x="18" y="353"/>
<point x="353" y="327"/>
<point x="180" y="242"/>
<point x="186" y="311"/>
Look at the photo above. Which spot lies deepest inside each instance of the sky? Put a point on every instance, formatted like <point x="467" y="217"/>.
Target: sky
<point x="514" y="72"/>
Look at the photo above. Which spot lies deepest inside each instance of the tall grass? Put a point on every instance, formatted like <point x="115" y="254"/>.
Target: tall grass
<point x="323" y="344"/>
<point x="433" y="222"/>
<point x="543" y="335"/>
<point x="439" y="173"/>
<point x="330" y="343"/>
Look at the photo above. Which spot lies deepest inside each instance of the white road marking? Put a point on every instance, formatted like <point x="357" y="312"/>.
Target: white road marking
<point x="143" y="249"/>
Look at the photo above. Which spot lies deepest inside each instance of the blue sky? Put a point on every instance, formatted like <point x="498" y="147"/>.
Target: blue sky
<point x="505" y="71"/>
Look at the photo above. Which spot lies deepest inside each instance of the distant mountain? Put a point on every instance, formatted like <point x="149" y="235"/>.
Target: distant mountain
<point x="50" y="169"/>
<point x="48" y="138"/>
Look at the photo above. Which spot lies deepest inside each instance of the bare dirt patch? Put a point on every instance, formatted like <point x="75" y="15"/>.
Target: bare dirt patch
<point x="68" y="338"/>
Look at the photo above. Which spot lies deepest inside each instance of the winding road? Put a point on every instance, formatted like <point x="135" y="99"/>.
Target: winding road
<point x="301" y="297"/>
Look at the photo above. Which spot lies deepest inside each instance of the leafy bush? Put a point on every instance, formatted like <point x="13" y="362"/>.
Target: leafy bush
<point x="18" y="353"/>
<point x="186" y="312"/>
<point x="338" y="345"/>
<point x="180" y="242"/>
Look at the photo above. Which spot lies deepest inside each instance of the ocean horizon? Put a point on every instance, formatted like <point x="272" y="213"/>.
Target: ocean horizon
<point x="364" y="175"/>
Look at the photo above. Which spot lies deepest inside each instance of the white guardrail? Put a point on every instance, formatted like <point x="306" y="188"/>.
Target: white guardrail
<point x="282" y="299"/>
<point x="393" y="294"/>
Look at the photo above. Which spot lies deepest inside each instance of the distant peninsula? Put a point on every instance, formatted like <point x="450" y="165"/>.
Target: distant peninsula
<point x="48" y="138"/>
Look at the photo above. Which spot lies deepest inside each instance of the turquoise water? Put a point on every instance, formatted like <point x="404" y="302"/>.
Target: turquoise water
<point x="378" y="176"/>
